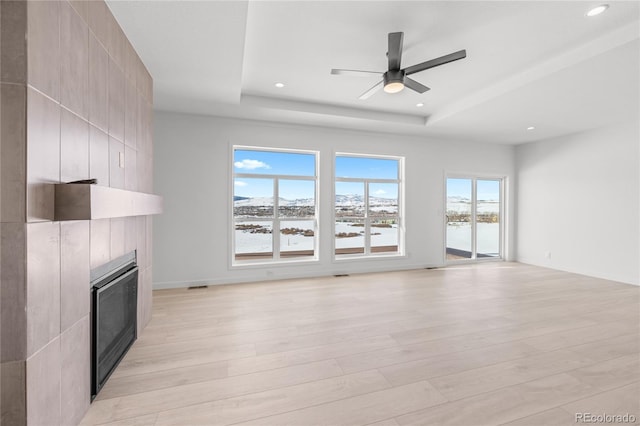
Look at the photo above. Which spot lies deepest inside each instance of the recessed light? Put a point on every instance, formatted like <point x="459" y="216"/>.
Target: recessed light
<point x="419" y="104"/>
<point x="597" y="10"/>
<point x="531" y="128"/>
<point x="279" y="85"/>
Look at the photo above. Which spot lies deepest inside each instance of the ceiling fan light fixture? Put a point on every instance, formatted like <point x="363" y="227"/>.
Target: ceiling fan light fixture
<point x="393" y="81"/>
<point x="597" y="10"/>
<point x="393" y="87"/>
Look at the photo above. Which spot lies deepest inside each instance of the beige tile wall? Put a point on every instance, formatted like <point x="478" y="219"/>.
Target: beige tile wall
<point x="75" y="100"/>
<point x="13" y="99"/>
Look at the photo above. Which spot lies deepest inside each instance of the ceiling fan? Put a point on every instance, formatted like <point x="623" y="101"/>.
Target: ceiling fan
<point x="396" y="79"/>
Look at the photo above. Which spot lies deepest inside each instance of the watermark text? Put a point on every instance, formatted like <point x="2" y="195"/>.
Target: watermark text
<point x="605" y="418"/>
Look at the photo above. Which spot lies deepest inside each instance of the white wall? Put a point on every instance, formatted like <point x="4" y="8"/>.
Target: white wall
<point x="192" y="170"/>
<point x="577" y="199"/>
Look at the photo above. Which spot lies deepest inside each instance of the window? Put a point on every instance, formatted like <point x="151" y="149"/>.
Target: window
<point x="474" y="218"/>
<point x="274" y="205"/>
<point x="367" y="206"/>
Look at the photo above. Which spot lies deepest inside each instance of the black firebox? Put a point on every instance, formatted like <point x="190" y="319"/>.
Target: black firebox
<point x="114" y="293"/>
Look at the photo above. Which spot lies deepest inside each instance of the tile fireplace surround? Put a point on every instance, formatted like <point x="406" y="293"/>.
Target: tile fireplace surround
<point x="76" y="100"/>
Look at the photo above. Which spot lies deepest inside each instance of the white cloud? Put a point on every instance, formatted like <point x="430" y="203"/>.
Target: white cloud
<point x="380" y="192"/>
<point x="240" y="183"/>
<point x="251" y="164"/>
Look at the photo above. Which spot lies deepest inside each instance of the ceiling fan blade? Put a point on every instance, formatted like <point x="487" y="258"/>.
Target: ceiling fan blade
<point x="395" y="50"/>
<point x="355" y="73"/>
<point x="414" y="85"/>
<point x="461" y="54"/>
<point x="374" y="89"/>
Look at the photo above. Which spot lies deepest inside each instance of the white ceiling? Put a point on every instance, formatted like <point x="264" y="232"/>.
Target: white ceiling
<point x="529" y="63"/>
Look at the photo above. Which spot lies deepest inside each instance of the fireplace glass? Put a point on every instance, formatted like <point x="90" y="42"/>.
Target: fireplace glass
<point x="114" y="321"/>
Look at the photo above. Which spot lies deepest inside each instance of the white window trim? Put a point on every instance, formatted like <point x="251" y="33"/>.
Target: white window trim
<point x="474" y="177"/>
<point x="275" y="219"/>
<point x="366" y="181"/>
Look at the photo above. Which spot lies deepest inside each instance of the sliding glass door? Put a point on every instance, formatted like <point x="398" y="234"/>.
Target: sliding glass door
<point x="473" y="218"/>
<point x="459" y="219"/>
<point x="488" y="218"/>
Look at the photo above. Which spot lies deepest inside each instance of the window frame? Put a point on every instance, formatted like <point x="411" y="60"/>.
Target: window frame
<point x="474" y="177"/>
<point x="275" y="219"/>
<point x="368" y="254"/>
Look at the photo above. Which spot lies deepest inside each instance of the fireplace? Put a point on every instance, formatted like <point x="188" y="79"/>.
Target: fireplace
<point x="114" y="294"/>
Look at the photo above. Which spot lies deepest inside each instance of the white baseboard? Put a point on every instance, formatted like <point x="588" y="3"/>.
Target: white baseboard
<point x="238" y="279"/>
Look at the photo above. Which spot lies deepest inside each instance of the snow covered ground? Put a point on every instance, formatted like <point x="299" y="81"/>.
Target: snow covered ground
<point x="458" y="235"/>
<point x="387" y="237"/>
<point x="296" y="242"/>
<point x="463" y="205"/>
<point x="247" y="242"/>
<point x="488" y="234"/>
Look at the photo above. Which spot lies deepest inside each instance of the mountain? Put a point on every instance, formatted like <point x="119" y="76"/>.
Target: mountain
<point x="296" y="203"/>
<point x="253" y="201"/>
<point x="341" y="200"/>
<point x="268" y="201"/>
<point x="349" y="200"/>
<point x="358" y="200"/>
<point x="458" y="204"/>
<point x="457" y="199"/>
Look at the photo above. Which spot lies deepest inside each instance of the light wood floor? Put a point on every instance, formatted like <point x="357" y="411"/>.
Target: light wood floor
<point x="486" y="344"/>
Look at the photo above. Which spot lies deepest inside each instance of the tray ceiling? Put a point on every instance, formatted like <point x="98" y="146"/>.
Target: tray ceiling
<point x="540" y="64"/>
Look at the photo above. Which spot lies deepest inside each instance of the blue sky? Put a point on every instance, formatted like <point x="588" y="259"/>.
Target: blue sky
<point x="289" y="189"/>
<point x="286" y="163"/>
<point x="486" y="189"/>
<point x="253" y="188"/>
<point x="350" y="188"/>
<point x="361" y="167"/>
<point x="383" y="190"/>
<point x="459" y="188"/>
<point x="274" y="163"/>
<point x="300" y="189"/>
<point x="297" y="189"/>
<point x="293" y="164"/>
<point x="379" y="190"/>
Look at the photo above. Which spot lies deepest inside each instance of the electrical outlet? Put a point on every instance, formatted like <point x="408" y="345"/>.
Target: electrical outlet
<point x="547" y="255"/>
<point x="121" y="160"/>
